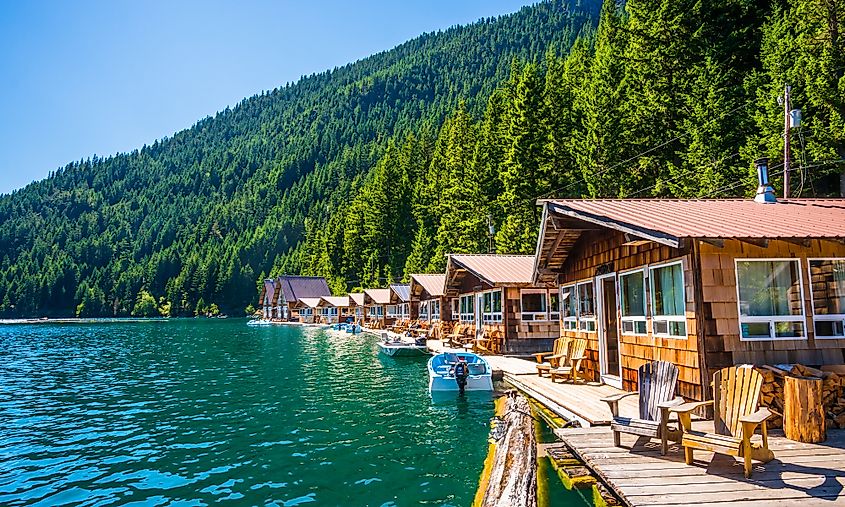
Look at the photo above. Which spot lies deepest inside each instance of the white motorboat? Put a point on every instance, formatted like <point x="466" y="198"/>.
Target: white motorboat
<point x="259" y="322"/>
<point x="441" y="372"/>
<point x="401" y="347"/>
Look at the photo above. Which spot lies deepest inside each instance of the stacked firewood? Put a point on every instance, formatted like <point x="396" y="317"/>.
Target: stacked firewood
<point x="833" y="391"/>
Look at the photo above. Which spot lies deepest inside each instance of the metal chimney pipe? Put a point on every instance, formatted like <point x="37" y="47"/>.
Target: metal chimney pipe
<point x="765" y="192"/>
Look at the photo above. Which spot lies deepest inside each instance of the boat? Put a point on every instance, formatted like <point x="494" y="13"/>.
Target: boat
<point x="398" y="347"/>
<point x="346" y="327"/>
<point x="441" y="375"/>
<point x="259" y="322"/>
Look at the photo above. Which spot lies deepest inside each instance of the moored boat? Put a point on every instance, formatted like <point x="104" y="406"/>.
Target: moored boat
<point x="441" y="372"/>
<point x="398" y="347"/>
<point x="259" y="322"/>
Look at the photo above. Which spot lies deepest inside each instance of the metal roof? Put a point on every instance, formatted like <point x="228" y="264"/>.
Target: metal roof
<point x="310" y="302"/>
<point x="298" y="287"/>
<point x="433" y="284"/>
<point x="495" y="269"/>
<point x="357" y="298"/>
<point x="379" y="296"/>
<point x="402" y="291"/>
<point x="672" y="219"/>
<point x="339" y="301"/>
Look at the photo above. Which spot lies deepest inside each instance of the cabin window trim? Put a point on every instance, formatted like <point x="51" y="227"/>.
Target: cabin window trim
<point x="633" y="321"/>
<point x="493" y="316"/>
<point x="771" y="320"/>
<point x="659" y="319"/>
<point x="434" y="307"/>
<point x="586" y="324"/>
<point x="554" y="309"/>
<point x="466" y="308"/>
<point x="534" y="316"/>
<point x="455" y="307"/>
<point x="569" y="322"/>
<point x="826" y="317"/>
<point x="424" y="310"/>
<point x="392" y="311"/>
<point x="404" y="310"/>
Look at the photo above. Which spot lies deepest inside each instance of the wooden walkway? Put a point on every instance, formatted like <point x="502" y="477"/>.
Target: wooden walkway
<point x="801" y="474"/>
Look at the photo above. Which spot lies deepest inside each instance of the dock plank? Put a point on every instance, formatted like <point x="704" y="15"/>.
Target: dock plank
<point x="801" y="474"/>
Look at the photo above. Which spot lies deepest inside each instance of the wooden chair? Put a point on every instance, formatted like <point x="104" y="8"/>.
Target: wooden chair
<point x="656" y="382"/>
<point x="549" y="360"/>
<point x="736" y="416"/>
<point x="574" y="360"/>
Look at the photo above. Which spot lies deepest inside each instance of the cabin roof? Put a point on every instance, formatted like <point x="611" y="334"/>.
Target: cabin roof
<point x="338" y="301"/>
<point x="379" y="296"/>
<point x="357" y="298"/>
<point x="494" y="269"/>
<point x="298" y="287"/>
<point x="433" y="284"/>
<point x="670" y="221"/>
<point x="402" y="291"/>
<point x="310" y="302"/>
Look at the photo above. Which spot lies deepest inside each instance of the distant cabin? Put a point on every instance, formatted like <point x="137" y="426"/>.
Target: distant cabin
<point x="376" y="302"/>
<point x="399" y="308"/>
<point x="427" y="299"/>
<point x="701" y="283"/>
<point x="280" y="296"/>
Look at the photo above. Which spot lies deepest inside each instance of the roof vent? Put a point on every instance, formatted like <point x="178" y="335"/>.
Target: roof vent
<point x="765" y="192"/>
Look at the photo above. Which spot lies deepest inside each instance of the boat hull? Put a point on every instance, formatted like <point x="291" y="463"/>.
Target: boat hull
<point x="474" y="383"/>
<point x="401" y="349"/>
<point x="441" y="379"/>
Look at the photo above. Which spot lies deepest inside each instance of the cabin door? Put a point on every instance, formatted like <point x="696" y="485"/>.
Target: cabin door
<point x="608" y="328"/>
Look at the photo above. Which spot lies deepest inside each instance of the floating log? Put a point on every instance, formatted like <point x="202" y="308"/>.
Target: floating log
<point x="803" y="412"/>
<point x="510" y="474"/>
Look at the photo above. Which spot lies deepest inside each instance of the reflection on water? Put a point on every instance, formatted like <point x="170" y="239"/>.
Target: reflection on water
<point x="194" y="412"/>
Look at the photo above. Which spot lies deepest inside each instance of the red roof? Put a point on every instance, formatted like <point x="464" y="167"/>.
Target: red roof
<point x="671" y="219"/>
<point x="495" y="269"/>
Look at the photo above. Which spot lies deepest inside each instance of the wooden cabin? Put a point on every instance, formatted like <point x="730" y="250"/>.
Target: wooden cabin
<point x="497" y="293"/>
<point x="701" y="283"/>
<point x="334" y="309"/>
<point x="306" y="310"/>
<point x="376" y="302"/>
<point x="428" y="302"/>
<point x="356" y="300"/>
<point x="279" y="295"/>
<point x="399" y="308"/>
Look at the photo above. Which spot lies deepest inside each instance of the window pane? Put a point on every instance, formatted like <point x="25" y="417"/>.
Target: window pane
<point x="828" y="279"/>
<point x="677" y="328"/>
<point x="830" y="328"/>
<point x="534" y="302"/>
<point x="640" y="327"/>
<point x="789" y="329"/>
<point x="633" y="294"/>
<point x="755" y="330"/>
<point x="667" y="284"/>
<point x="585" y="299"/>
<point x="768" y="288"/>
<point x="568" y="301"/>
<point x="488" y="298"/>
<point x="660" y="327"/>
<point x="554" y="302"/>
<point x="497" y="302"/>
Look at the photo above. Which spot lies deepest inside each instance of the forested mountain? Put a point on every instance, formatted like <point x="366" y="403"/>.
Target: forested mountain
<point x="375" y="170"/>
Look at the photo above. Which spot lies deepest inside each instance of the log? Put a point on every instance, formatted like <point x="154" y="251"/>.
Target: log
<point x="510" y="477"/>
<point x="803" y="412"/>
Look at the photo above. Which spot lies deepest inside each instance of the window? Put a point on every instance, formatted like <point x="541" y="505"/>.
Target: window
<point x="379" y="311"/>
<point x="569" y="307"/>
<point x="554" y="305"/>
<point x="424" y="310"/>
<point x="533" y="304"/>
<point x="668" y="301"/>
<point x="455" y="308"/>
<point x="467" y="308"/>
<point x="435" y="309"/>
<point x="770" y="301"/>
<point x="404" y="310"/>
<point x="357" y="311"/>
<point x="392" y="311"/>
<point x="827" y="283"/>
<point x="491" y="306"/>
<point x="632" y="303"/>
<point x="586" y="307"/>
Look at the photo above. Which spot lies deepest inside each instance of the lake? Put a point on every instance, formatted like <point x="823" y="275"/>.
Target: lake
<point x="195" y="411"/>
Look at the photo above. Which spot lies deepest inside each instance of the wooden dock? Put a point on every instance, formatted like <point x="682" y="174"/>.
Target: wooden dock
<point x="801" y="474"/>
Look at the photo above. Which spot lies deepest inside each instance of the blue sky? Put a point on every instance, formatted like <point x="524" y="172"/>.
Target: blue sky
<point x="99" y="77"/>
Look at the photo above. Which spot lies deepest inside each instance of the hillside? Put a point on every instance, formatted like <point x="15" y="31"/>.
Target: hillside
<point x="199" y="217"/>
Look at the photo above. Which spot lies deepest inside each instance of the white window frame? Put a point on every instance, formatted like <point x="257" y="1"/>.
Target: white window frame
<point x="835" y="317"/>
<point x="569" y="323"/>
<point x="492" y="317"/>
<point x="585" y="323"/>
<point x="456" y="307"/>
<point x="435" y="310"/>
<point x="379" y="312"/>
<point x="771" y="320"/>
<point x="554" y="314"/>
<point x="404" y="310"/>
<point x="392" y="311"/>
<point x="466" y="316"/>
<point x="646" y="300"/>
<point x="424" y="311"/>
<point x="534" y="316"/>
<point x="667" y="318"/>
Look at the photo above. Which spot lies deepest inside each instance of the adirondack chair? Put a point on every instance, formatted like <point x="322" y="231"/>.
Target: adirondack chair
<point x="736" y="397"/>
<point x="553" y="359"/>
<point x="574" y="359"/>
<point x="656" y="383"/>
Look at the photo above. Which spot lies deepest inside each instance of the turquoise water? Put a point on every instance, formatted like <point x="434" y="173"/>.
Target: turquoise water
<point x="193" y="412"/>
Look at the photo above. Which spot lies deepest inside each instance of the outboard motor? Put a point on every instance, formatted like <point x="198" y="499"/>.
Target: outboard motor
<point x="461" y="370"/>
